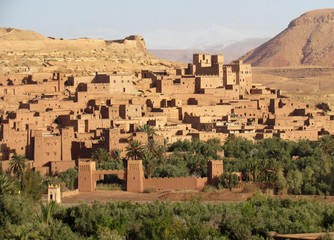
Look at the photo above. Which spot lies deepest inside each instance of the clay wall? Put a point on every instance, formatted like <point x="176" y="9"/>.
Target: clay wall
<point x="178" y="183"/>
<point x="202" y="60"/>
<point x="263" y="105"/>
<point x="215" y="170"/>
<point x="44" y="104"/>
<point x="86" y="171"/>
<point x="84" y="97"/>
<point x="100" y="88"/>
<point x="244" y="104"/>
<point x="130" y="111"/>
<point x="201" y="123"/>
<point x="245" y="77"/>
<point x="311" y="135"/>
<point x="47" y="148"/>
<point x="48" y="117"/>
<point x="204" y="82"/>
<point x="18" y="120"/>
<point x="329" y="126"/>
<point x="204" y="136"/>
<point x="112" y="138"/>
<point x="206" y="64"/>
<point x="294" y="122"/>
<point x="93" y="124"/>
<point x="67" y="136"/>
<point x="61" y="166"/>
<point x="223" y="92"/>
<point x="135" y="180"/>
<point x="14" y="142"/>
<point x="141" y="137"/>
<point x="229" y="77"/>
<point x="216" y="110"/>
<point x="122" y="83"/>
<point x="247" y="112"/>
<point x="135" y="176"/>
<point x="182" y="85"/>
<point x="261" y="91"/>
<point x="110" y="112"/>
<point x="29" y="89"/>
<point x="171" y="113"/>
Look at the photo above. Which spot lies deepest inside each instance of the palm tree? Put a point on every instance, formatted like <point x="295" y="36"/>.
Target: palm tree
<point x="134" y="150"/>
<point x="17" y="165"/>
<point x="327" y="144"/>
<point x="148" y="129"/>
<point x="7" y="186"/>
<point x="23" y="231"/>
<point x="101" y="155"/>
<point x="47" y="211"/>
<point x="149" y="163"/>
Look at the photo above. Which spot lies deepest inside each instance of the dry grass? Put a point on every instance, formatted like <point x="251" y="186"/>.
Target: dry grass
<point x="309" y="84"/>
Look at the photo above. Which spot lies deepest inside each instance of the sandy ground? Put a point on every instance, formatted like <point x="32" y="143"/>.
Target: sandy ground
<point x="309" y="84"/>
<point x="104" y="196"/>
<point x="236" y="195"/>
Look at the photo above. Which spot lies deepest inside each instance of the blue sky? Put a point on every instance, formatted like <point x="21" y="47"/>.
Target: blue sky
<point x="173" y="24"/>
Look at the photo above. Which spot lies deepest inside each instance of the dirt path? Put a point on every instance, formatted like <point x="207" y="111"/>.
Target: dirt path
<point x="104" y="196"/>
<point x="236" y="195"/>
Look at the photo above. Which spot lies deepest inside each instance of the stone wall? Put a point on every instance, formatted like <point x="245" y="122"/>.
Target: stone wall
<point x="180" y="183"/>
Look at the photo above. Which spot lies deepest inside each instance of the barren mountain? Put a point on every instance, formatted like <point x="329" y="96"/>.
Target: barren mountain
<point x="23" y="51"/>
<point x="308" y="40"/>
<point x="230" y="51"/>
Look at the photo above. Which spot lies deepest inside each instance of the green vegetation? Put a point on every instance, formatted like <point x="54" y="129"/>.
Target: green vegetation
<point x="105" y="160"/>
<point x="21" y="218"/>
<point x="186" y="158"/>
<point x="148" y="129"/>
<point x="302" y="167"/>
<point x="70" y="178"/>
<point x="228" y="180"/>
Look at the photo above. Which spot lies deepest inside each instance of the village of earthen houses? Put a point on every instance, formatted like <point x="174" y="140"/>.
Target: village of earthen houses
<point x="67" y="118"/>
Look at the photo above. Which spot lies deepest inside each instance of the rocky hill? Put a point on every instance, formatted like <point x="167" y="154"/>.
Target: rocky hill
<point x="23" y="51"/>
<point x="308" y="40"/>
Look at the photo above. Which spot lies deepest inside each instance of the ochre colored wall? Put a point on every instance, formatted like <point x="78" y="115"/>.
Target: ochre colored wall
<point x="175" y="183"/>
<point x="135" y="180"/>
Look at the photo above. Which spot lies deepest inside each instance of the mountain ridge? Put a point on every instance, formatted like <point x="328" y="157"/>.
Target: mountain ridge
<point x="306" y="41"/>
<point x="25" y="51"/>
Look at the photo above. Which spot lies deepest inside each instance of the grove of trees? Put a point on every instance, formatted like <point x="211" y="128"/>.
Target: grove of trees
<point x="23" y="218"/>
<point x="302" y="167"/>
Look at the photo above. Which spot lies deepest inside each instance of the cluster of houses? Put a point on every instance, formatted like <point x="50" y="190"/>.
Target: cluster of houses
<point x="56" y="119"/>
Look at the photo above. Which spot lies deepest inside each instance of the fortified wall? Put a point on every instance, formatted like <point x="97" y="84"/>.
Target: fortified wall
<point x="136" y="182"/>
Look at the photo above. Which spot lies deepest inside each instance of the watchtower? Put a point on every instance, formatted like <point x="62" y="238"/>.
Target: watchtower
<point x="86" y="182"/>
<point x="215" y="169"/>
<point x="135" y="175"/>
<point x="54" y="193"/>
